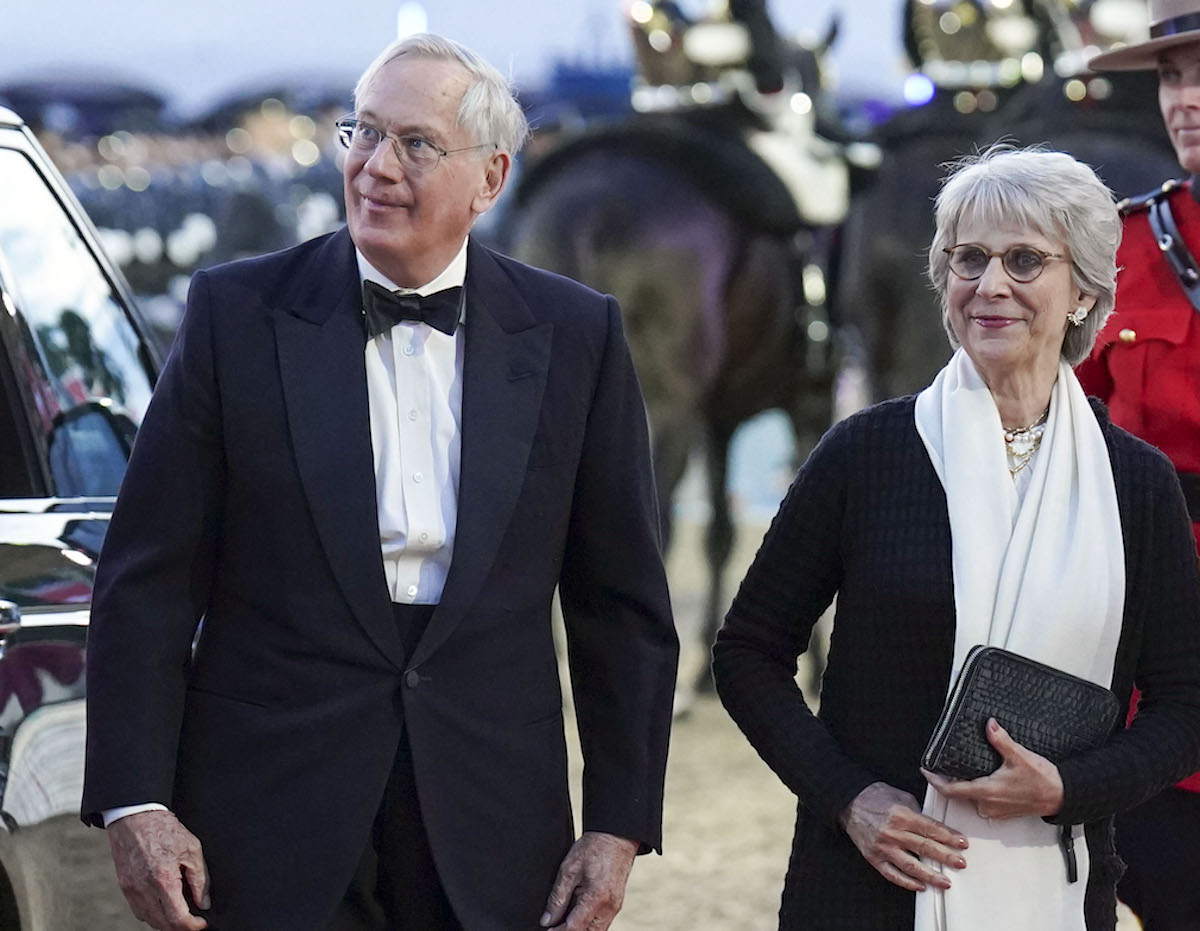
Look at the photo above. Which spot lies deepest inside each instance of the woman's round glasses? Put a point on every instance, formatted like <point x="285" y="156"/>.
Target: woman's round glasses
<point x="416" y="153"/>
<point x="1023" y="263"/>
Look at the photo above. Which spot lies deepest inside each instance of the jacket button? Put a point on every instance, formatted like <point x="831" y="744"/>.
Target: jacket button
<point x="1127" y="335"/>
<point x="412" y="679"/>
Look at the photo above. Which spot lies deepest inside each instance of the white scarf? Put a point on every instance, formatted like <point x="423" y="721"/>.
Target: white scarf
<point x="1043" y="575"/>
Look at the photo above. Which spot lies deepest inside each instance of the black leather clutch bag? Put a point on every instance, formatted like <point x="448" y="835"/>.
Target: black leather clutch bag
<point x="1051" y="712"/>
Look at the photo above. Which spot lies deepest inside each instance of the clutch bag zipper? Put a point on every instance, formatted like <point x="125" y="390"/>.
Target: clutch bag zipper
<point x="959" y="684"/>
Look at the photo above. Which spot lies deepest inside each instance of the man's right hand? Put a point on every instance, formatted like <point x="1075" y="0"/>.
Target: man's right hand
<point x="889" y="830"/>
<point x="155" y="856"/>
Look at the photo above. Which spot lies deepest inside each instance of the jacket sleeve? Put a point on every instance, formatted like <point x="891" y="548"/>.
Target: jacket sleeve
<point x="792" y="581"/>
<point x="153" y="580"/>
<point x="621" y="637"/>
<point x="1162" y="745"/>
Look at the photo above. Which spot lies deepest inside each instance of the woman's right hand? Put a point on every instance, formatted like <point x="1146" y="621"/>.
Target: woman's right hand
<point x="889" y="830"/>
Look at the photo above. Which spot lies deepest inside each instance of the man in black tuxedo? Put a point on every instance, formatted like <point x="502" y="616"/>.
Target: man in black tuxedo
<point x="369" y="499"/>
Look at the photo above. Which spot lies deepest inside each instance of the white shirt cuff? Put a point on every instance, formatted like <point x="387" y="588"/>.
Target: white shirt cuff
<point x="116" y="814"/>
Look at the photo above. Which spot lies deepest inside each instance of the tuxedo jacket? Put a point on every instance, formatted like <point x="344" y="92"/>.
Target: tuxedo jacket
<point x="270" y="729"/>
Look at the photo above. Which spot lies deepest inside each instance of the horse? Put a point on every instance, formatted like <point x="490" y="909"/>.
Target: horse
<point x="697" y="241"/>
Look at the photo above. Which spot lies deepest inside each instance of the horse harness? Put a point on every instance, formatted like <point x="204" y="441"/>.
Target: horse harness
<point x="1174" y="250"/>
<point x="1187" y="272"/>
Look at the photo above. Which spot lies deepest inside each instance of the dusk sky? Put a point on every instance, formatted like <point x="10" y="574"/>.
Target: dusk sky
<point x="195" y="52"/>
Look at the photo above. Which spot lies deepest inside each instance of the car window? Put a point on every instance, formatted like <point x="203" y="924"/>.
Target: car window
<point x="79" y="363"/>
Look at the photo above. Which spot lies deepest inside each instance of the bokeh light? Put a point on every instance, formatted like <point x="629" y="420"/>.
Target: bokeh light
<point x="306" y="152"/>
<point x="813" y="283"/>
<point x="918" y="90"/>
<point x="1009" y="72"/>
<point x="641" y="12"/>
<point x="1100" y="88"/>
<point x="659" y="40"/>
<point x="302" y="126"/>
<point x="1032" y="67"/>
<point x="137" y="178"/>
<point x="110" y="177"/>
<point x="214" y="173"/>
<point x="801" y="103"/>
<point x="950" y="23"/>
<point x="238" y="140"/>
<point x="147" y="245"/>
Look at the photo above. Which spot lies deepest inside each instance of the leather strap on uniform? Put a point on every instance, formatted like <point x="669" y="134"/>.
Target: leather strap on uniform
<point x="1174" y="250"/>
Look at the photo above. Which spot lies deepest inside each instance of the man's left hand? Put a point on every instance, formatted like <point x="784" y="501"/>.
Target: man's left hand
<point x="590" y="886"/>
<point x="1025" y="784"/>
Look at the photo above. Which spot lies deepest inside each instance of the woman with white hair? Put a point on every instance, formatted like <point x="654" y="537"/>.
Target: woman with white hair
<point x="1000" y="507"/>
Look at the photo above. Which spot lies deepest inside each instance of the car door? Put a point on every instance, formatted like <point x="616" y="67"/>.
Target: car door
<point x="76" y="374"/>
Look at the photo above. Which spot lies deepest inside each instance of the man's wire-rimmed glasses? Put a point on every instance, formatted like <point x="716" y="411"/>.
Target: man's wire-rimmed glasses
<point x="416" y="153"/>
<point x="1023" y="263"/>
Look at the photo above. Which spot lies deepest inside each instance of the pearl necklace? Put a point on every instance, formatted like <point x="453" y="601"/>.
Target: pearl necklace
<point x="1022" y="442"/>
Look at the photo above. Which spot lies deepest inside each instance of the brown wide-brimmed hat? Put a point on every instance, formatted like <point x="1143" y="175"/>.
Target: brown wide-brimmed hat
<point x="1172" y="23"/>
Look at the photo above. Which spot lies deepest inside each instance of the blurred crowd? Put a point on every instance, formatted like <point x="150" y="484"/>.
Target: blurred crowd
<point x="168" y="200"/>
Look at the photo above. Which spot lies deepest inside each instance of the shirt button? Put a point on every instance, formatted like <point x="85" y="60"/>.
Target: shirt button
<point x="424" y="537"/>
<point x="412" y="591"/>
<point x="418" y="477"/>
<point x="412" y="415"/>
<point x="412" y="679"/>
<point x="1127" y="335"/>
<point x="408" y="349"/>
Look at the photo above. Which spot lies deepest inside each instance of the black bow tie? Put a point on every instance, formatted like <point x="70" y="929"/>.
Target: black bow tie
<point x="384" y="308"/>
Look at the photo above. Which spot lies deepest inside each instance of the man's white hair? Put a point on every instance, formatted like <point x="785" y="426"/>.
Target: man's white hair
<point x="488" y="111"/>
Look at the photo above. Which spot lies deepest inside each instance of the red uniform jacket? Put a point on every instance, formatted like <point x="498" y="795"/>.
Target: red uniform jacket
<point x="1146" y="362"/>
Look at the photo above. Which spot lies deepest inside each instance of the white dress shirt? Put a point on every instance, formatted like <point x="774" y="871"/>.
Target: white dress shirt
<point x="414" y="387"/>
<point x="414" y="392"/>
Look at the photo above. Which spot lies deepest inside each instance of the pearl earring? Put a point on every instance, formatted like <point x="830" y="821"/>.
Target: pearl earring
<point x="1078" y="315"/>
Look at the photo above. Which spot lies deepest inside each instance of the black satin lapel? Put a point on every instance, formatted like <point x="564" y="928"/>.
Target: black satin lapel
<point x="325" y="391"/>
<point x="504" y="375"/>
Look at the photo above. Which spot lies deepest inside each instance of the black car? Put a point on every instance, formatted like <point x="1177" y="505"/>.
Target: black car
<point x="76" y="373"/>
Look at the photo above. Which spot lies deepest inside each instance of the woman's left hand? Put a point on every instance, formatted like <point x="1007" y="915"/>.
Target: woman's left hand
<point x="1025" y="784"/>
